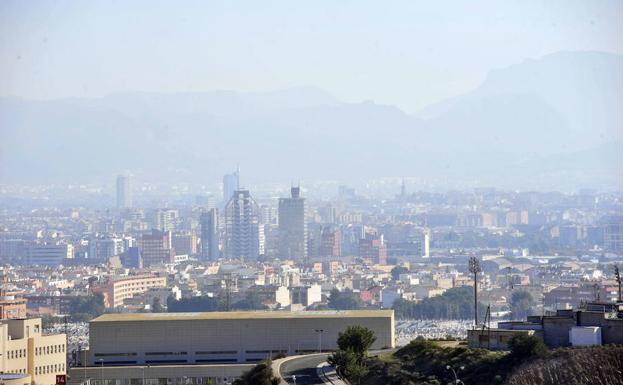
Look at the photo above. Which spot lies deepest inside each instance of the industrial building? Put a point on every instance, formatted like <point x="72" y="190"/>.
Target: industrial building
<point x="594" y="324"/>
<point x="224" y="337"/>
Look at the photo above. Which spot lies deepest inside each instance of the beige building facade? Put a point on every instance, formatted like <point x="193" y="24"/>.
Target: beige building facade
<point x="117" y="290"/>
<point x="27" y="352"/>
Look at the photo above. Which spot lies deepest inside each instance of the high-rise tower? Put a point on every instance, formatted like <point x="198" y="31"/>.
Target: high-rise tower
<point x="231" y="183"/>
<point x="124" y="192"/>
<point x="242" y="231"/>
<point x="292" y="225"/>
<point x="210" y="235"/>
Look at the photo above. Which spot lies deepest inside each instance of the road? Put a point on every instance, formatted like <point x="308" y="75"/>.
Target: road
<point x="304" y="369"/>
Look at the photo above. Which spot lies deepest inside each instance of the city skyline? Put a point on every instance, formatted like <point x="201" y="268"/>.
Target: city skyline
<point x="311" y="193"/>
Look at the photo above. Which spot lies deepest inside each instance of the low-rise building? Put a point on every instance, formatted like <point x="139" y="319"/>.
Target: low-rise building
<point x="493" y="339"/>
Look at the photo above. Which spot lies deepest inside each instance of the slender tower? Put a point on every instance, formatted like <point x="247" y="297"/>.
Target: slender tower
<point x="474" y="268"/>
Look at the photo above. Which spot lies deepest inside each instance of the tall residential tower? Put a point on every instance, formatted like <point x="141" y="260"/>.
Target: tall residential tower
<point x="231" y="183"/>
<point x="210" y="235"/>
<point x="124" y="192"/>
<point x="292" y="225"/>
<point x="243" y="235"/>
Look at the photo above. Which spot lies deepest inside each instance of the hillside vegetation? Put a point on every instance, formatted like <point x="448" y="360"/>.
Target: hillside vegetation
<point x="529" y="363"/>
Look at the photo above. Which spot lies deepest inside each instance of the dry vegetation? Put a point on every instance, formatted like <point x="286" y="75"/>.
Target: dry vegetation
<point x="601" y="365"/>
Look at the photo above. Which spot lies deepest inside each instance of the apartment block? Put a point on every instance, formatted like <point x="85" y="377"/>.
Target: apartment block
<point x="115" y="291"/>
<point x="26" y="352"/>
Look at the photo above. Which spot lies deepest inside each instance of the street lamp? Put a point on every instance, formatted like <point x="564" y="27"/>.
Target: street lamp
<point x="101" y="361"/>
<point x="474" y="268"/>
<point x="456" y="378"/>
<point x="144" y="373"/>
<point x="319" y="331"/>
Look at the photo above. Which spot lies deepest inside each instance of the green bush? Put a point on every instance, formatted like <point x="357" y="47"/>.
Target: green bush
<point x="525" y="347"/>
<point x="260" y="374"/>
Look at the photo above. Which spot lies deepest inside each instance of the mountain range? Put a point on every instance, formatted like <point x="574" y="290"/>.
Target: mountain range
<point x="550" y="123"/>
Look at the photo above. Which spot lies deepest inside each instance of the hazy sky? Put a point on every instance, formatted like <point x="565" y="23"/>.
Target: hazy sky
<point x="408" y="53"/>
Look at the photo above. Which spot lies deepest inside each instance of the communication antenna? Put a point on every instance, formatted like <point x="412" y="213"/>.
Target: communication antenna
<point x="474" y="268"/>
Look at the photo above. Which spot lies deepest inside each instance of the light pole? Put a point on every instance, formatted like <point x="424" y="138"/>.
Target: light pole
<point x="144" y="367"/>
<point x="83" y="359"/>
<point x="456" y="378"/>
<point x="319" y="331"/>
<point x="101" y="361"/>
<point x="474" y="268"/>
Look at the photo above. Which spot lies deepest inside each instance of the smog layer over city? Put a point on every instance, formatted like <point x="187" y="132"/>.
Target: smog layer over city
<point x="279" y="192"/>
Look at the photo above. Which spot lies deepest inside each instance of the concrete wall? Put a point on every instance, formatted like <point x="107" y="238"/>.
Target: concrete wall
<point x="15" y="379"/>
<point x="556" y="331"/>
<point x="155" y="375"/>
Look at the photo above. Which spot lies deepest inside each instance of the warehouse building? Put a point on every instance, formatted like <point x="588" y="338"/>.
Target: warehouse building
<point x="224" y="337"/>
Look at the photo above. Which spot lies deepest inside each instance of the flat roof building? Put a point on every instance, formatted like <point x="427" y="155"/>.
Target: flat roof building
<point x="224" y="337"/>
<point x="118" y="290"/>
<point x="28" y="355"/>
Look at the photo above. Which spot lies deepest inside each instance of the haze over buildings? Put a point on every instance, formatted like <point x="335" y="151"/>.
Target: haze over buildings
<point x="458" y="169"/>
<point x="534" y="105"/>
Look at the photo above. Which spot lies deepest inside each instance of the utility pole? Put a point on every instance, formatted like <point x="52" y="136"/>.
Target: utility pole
<point x="509" y="283"/>
<point x="474" y="268"/>
<point x="617" y="276"/>
<point x="319" y="331"/>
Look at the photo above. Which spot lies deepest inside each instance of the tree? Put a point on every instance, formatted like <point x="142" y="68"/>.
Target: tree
<point x="252" y="301"/>
<point x="396" y="271"/>
<point x="455" y="303"/>
<point x="48" y="321"/>
<point x="345" y="300"/>
<point x="193" y="304"/>
<point x="353" y="344"/>
<point x="260" y="374"/>
<point x="347" y="365"/>
<point x="524" y="347"/>
<point x="521" y="303"/>
<point x="85" y="308"/>
<point x="156" y="306"/>
<point x="356" y="339"/>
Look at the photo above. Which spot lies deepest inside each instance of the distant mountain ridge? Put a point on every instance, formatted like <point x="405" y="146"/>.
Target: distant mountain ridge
<point x="564" y="109"/>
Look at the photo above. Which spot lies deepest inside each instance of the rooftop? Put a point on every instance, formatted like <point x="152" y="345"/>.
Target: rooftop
<point x="131" y="317"/>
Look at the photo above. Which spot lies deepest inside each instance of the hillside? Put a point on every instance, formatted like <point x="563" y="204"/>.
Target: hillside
<point x="424" y="363"/>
